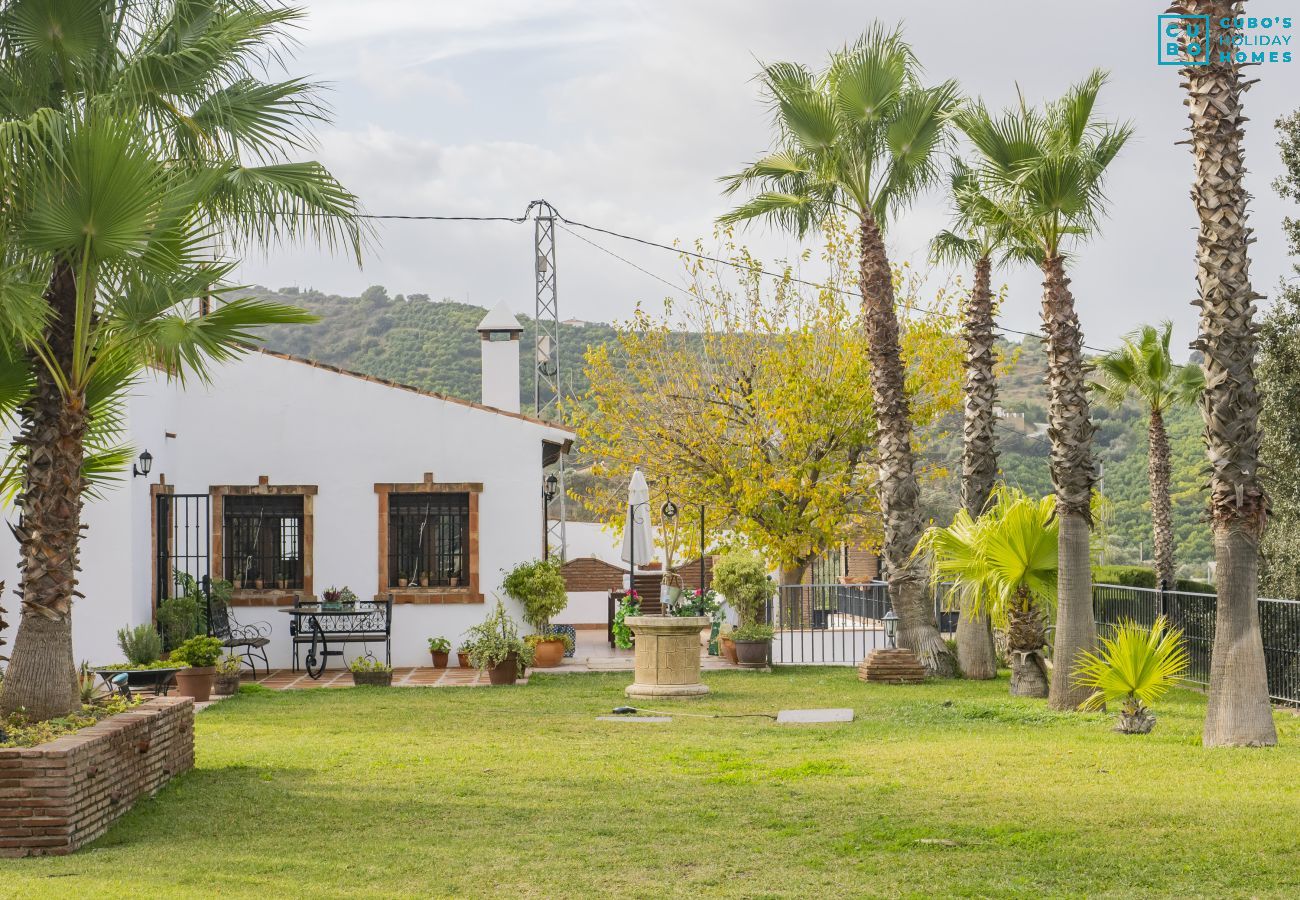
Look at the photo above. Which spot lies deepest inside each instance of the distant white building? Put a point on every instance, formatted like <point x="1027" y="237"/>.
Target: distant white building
<point x="286" y="476"/>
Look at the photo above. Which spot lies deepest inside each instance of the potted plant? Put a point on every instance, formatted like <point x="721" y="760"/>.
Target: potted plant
<point x="366" y="670"/>
<point x="424" y="579"/>
<point x="495" y="645"/>
<point x="462" y="654"/>
<point x="401" y="582"/>
<point x="337" y="598"/>
<point x="199" y="655"/>
<point x="553" y="644"/>
<point x="281" y="576"/>
<point x="1135" y="666"/>
<point x="741" y="578"/>
<point x="227" y="680"/>
<point x="439" y="648"/>
<point x="628" y="605"/>
<point x="538" y="585"/>
<point x="453" y="577"/>
<point x="726" y="645"/>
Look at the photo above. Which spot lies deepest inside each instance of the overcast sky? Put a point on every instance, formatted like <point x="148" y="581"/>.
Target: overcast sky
<point x="623" y="114"/>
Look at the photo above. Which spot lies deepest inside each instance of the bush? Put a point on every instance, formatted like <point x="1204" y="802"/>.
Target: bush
<point x="140" y="645"/>
<point x="1142" y="577"/>
<point x="178" y="620"/>
<point x="492" y="641"/>
<point x="741" y="578"/>
<point x="368" y="664"/>
<point x="753" y="633"/>
<point x="199" y="652"/>
<point x="539" y="586"/>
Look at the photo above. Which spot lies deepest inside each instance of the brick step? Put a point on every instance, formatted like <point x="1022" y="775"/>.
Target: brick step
<point x="897" y="666"/>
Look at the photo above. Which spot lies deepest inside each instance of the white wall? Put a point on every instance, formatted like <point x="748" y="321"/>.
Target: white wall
<point x="585" y="608"/>
<point x="299" y="424"/>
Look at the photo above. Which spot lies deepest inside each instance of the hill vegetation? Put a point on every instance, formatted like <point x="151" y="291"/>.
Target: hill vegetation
<point x="433" y="345"/>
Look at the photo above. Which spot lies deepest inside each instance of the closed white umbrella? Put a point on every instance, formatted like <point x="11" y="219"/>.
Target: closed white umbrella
<point x="638" y="533"/>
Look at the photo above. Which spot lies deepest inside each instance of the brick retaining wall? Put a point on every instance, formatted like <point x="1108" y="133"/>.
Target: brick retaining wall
<point x="58" y="796"/>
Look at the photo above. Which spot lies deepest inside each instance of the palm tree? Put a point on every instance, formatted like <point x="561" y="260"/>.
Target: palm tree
<point x="978" y="234"/>
<point x="1143" y="368"/>
<point x="1135" y="666"/>
<point x="1049" y="167"/>
<point x="139" y="150"/>
<point x="861" y="139"/>
<point x="1239" y="713"/>
<point x="1005" y="566"/>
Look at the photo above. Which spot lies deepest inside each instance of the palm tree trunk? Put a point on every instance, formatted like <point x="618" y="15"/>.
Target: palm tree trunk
<point x="1238" y="713"/>
<point x="42" y="675"/>
<point x="979" y="456"/>
<point x="1162" y="520"/>
<point x="899" y="492"/>
<point x="1026" y="637"/>
<point x="1074" y="472"/>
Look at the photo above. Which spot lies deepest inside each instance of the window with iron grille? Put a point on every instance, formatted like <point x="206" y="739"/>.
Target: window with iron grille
<point x="262" y="540"/>
<point x="428" y="539"/>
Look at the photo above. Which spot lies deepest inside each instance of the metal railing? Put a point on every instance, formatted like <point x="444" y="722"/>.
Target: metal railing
<point x="1194" y="615"/>
<point x="839" y="624"/>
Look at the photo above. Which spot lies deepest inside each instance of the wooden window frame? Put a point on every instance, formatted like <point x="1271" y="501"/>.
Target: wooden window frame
<point x="267" y="596"/>
<point x="469" y="593"/>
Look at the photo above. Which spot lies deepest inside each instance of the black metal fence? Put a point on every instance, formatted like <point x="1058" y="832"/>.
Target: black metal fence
<point x="835" y="624"/>
<point x="839" y="624"/>
<point x="1193" y="614"/>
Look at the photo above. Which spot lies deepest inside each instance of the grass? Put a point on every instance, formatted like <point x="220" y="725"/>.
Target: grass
<point x="949" y="788"/>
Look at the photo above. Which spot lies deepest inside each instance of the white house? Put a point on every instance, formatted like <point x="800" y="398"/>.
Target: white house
<point x="286" y="476"/>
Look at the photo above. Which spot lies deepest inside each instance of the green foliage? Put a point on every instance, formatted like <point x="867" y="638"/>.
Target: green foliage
<point x="1142" y="368"/>
<point x="199" y="652"/>
<point x="368" y="664"/>
<point x="1143" y="577"/>
<point x="628" y="605"/>
<point x="698" y="603"/>
<point x="741" y="578"/>
<point x="342" y="596"/>
<point x="17" y="731"/>
<point x="230" y="665"/>
<point x="753" y="632"/>
<point x="1002" y="559"/>
<point x="178" y="620"/>
<point x="493" y="640"/>
<point x="143" y="667"/>
<point x="1279" y="389"/>
<point x="439" y="645"/>
<point x="140" y="645"/>
<point x="539" y="586"/>
<point x="1135" y="666"/>
<point x="532" y="640"/>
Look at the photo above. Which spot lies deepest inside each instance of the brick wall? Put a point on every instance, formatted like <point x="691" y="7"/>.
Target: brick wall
<point x="58" y="796"/>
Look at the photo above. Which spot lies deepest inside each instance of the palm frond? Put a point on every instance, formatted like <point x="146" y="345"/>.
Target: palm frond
<point x="1134" y="663"/>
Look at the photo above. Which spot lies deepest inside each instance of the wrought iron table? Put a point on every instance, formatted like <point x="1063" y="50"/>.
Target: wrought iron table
<point x="317" y="625"/>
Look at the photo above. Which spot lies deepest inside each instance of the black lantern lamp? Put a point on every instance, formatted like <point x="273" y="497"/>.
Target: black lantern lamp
<point x="891" y="628"/>
<point x="143" y="466"/>
<point x="552" y="487"/>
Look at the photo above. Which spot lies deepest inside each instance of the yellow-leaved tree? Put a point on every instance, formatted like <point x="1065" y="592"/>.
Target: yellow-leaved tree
<point x="752" y="398"/>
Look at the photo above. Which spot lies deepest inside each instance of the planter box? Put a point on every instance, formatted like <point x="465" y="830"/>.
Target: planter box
<point x="57" y="796"/>
<point x="374" y="679"/>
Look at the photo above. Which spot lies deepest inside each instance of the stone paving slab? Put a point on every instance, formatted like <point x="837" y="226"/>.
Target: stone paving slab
<point x="813" y="716"/>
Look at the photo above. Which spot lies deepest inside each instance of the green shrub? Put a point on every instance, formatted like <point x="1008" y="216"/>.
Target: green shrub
<point x="629" y="605"/>
<point x="368" y="664"/>
<point x="199" y="652"/>
<point x="493" y="640"/>
<point x="439" y="645"/>
<point x="1142" y="577"/>
<point x="178" y="620"/>
<point x="741" y="578"/>
<point x="532" y="640"/>
<point x="140" y="645"/>
<point x="753" y="632"/>
<point x="539" y="586"/>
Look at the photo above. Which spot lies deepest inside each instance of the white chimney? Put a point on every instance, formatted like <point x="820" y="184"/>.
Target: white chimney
<point x="500" y="332"/>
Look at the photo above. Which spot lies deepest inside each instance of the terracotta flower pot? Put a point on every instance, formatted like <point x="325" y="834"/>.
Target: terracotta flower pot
<point x="751" y="654"/>
<point x="196" y="682"/>
<point x="728" y="649"/>
<point x="506" y="671"/>
<point x="225" y="685"/>
<point x="462" y="660"/>
<point x="548" y="654"/>
<point x="439" y="658"/>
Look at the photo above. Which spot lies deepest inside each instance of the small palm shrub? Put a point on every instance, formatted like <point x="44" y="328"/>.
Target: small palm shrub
<point x="1134" y="667"/>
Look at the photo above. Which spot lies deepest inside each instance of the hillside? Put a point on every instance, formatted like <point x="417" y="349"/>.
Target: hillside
<point x="433" y="345"/>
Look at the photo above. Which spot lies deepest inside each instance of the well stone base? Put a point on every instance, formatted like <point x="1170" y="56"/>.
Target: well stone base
<point x="667" y="656"/>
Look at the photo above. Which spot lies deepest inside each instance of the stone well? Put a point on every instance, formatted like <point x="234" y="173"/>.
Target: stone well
<point x="667" y="656"/>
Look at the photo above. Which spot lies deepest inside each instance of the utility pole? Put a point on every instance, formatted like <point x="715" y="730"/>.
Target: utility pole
<point x="546" y="357"/>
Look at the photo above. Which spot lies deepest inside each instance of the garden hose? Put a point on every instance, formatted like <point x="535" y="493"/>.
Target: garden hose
<point x="629" y="710"/>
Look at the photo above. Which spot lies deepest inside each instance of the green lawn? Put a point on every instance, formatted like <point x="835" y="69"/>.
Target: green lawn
<point x="949" y="788"/>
